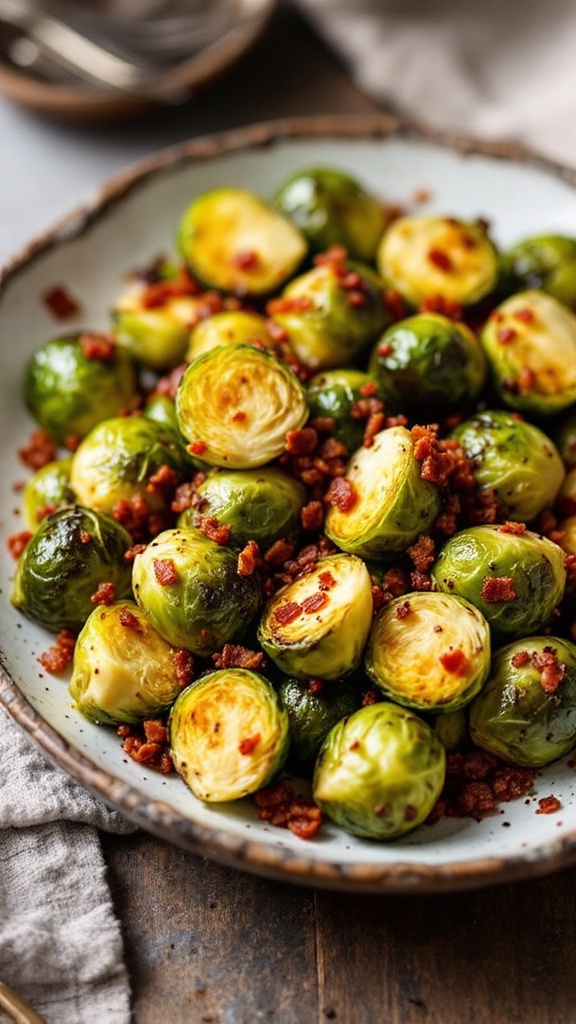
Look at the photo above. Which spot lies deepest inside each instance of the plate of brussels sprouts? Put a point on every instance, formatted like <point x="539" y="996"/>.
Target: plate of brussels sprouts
<point x="288" y="525"/>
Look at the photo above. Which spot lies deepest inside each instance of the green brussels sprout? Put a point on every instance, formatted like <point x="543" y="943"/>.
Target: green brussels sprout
<point x="545" y="262"/>
<point x="452" y="729"/>
<point x="328" y="323"/>
<point x="254" y="401"/>
<point x="191" y="590"/>
<point x="312" y="713"/>
<point x="429" y="364"/>
<point x="318" y="625"/>
<point x="390" y="503"/>
<point x="565" y="437"/>
<point x="69" y="391"/>
<point x="449" y="644"/>
<point x="330" y="207"/>
<point x="161" y="409"/>
<point x="257" y="504"/>
<point x="379" y="772"/>
<point x="526" y="713"/>
<point x="47" y="488"/>
<point x="117" y="460"/>
<point x="423" y="256"/>
<point x="123" y="671"/>
<point x="228" y="328"/>
<point x="515" y="579"/>
<point x="515" y="459"/>
<point x="334" y="394"/>
<point x="530" y="342"/>
<point x="73" y="551"/>
<point x="233" y="241"/>
<point x="228" y="734"/>
<point x="153" y="322"/>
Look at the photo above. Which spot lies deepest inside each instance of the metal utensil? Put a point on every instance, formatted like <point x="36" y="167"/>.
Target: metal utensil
<point x="17" y="1010"/>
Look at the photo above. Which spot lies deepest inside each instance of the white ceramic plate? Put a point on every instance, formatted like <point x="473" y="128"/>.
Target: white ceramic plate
<point x="131" y="222"/>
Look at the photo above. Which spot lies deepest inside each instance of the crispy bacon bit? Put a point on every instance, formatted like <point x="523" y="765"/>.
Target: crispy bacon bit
<point x="548" y="805"/>
<point x="60" y="303"/>
<point x="165" y="571"/>
<point x="403" y="610"/>
<point x="509" y="527"/>
<point x="286" y="613"/>
<point x="212" y="529"/>
<point x="197" y="447"/>
<point x="440" y="259"/>
<point x="148" y="745"/>
<point x="39" y="450"/>
<point x="525" y="315"/>
<point x="105" y="594"/>
<point x="476" y="781"/>
<point x="326" y="581"/>
<point x="395" y="304"/>
<point x="249" y="559"/>
<point x="301" y="442"/>
<point x="282" y="806"/>
<point x="155" y="730"/>
<point x="505" y="335"/>
<point x="498" y="588"/>
<point x="370" y="697"/>
<point x="162" y="482"/>
<point x="334" y="256"/>
<point x="552" y="671"/>
<point x="85" y="537"/>
<point x="312" y="516"/>
<point x="246" y="259"/>
<point x="341" y="494"/>
<point x="129" y="621"/>
<point x="239" y="416"/>
<point x="422" y="553"/>
<point x="136" y="549"/>
<point x="322" y="424"/>
<point x="58" y="657"/>
<point x="455" y="662"/>
<point x="184" y="666"/>
<point x="98" y="346"/>
<point x="526" y="379"/>
<point x="519" y="659"/>
<point x="249" y="743"/>
<point x="236" y="656"/>
<point x="278" y="553"/>
<point x="132" y="514"/>
<point x="17" y="542"/>
<point x="314" y="603"/>
<point x="374" y="425"/>
<point x="294" y="304"/>
<point x="317" y="687"/>
<point x="449" y="308"/>
<point x="357" y="299"/>
<point x="159" y="291"/>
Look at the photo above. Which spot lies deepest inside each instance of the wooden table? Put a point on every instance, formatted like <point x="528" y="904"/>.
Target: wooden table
<point x="209" y="945"/>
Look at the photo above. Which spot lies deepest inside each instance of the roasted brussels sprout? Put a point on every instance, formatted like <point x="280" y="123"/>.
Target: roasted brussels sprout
<point x="233" y="241"/>
<point x="318" y="625"/>
<point x="312" y="712"/>
<point x="228" y="734"/>
<point x="192" y="592"/>
<point x="336" y="394"/>
<point x="526" y="712"/>
<point x="452" y="729"/>
<point x="422" y="257"/>
<point x="565" y="438"/>
<point x="515" y="579"/>
<point x="73" y="383"/>
<point x="257" y="504"/>
<point x="254" y="401"/>
<point x="332" y="313"/>
<point x="229" y="328"/>
<point x="515" y="459"/>
<point x="73" y="551"/>
<point x="123" y="670"/>
<point x="46" y="490"/>
<point x="530" y="342"/>
<point x="389" y="504"/>
<point x="379" y="772"/>
<point x="449" y="644"/>
<point x="545" y="262"/>
<point x="330" y="207"/>
<point x="428" y="364"/>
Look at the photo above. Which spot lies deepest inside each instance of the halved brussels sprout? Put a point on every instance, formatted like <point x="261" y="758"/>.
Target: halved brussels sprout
<point x="330" y="207"/>
<point x="530" y="342"/>
<point x="191" y="590"/>
<point x="228" y="734"/>
<point x="73" y="383"/>
<point x="73" y="551"/>
<point x="565" y="437"/>
<point x="329" y="321"/>
<point x="335" y="394"/>
<point x="428" y="364"/>
<point x="379" y="772"/>
<point x="155" y="333"/>
<point x="123" y="670"/>
<point x="48" y="488"/>
<point x="448" y="645"/>
<point x="233" y="241"/>
<point x="312" y="713"/>
<point x="235" y="405"/>
<point x="318" y="625"/>
<point x="515" y="459"/>
<point x="229" y="328"/>
<point x="424" y="256"/>
<point x="390" y="504"/>
<point x="516" y="579"/>
<point x="526" y="713"/>
<point x="545" y="262"/>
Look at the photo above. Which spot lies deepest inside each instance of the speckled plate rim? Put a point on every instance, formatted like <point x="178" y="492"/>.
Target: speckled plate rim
<point x="155" y="816"/>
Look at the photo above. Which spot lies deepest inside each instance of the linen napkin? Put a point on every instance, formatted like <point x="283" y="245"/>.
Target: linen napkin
<point x="60" y="941"/>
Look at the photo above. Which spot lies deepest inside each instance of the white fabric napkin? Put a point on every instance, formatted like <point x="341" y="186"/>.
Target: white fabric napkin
<point x="498" y="69"/>
<point x="60" y="941"/>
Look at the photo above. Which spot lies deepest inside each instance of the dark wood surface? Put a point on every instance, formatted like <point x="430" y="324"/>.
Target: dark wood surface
<point x="209" y="945"/>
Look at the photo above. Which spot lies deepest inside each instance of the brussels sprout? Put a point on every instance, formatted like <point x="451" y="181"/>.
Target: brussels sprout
<point x="161" y="409"/>
<point x="391" y="505"/>
<point x="421" y="257"/>
<point x="334" y="394"/>
<point x="318" y="625"/>
<point x="154" y="326"/>
<point x="69" y="391"/>
<point x="515" y="459"/>
<point x="233" y="241"/>
<point x="330" y="207"/>
<point x="312" y="713"/>
<point x="530" y="342"/>
<point x="191" y="590"/>
<point x="231" y="328"/>
<point x="117" y="460"/>
<point x="379" y="772"/>
<point x="526" y="712"/>
<point x="47" y="489"/>
<point x="254" y="400"/>
<point x="567" y="531"/>
<point x="565" y="437"/>
<point x="257" y="504"/>
<point x="452" y="729"/>
<point x="123" y="670"/>
<point x="430" y="364"/>
<point x="329" y="323"/>
<point x="449" y="644"/>
<point x="515" y="579"/>
<point x="545" y="262"/>
<point x="73" y="551"/>
<point x="228" y="734"/>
